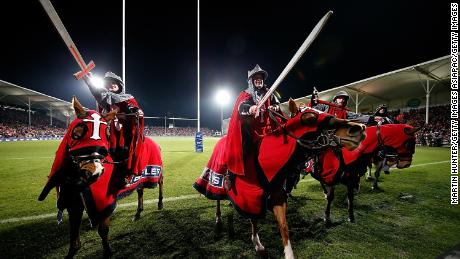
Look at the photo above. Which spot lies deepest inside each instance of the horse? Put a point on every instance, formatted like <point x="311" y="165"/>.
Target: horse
<point x="278" y="153"/>
<point x="85" y="174"/>
<point x="342" y="166"/>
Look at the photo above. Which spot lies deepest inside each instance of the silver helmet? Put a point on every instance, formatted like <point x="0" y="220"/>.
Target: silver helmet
<point x="257" y="70"/>
<point x="110" y="76"/>
<point x="341" y="94"/>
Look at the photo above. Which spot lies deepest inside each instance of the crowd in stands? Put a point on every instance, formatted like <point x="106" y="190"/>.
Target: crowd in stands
<point x="176" y="131"/>
<point x="436" y="132"/>
<point x="14" y="123"/>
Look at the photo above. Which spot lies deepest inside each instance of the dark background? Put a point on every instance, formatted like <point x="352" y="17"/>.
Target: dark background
<point x="361" y="39"/>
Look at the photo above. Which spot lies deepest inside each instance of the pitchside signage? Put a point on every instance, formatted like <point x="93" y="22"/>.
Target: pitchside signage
<point x="199" y="142"/>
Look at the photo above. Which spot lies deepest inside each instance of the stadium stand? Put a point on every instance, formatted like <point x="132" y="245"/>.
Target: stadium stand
<point x="176" y="131"/>
<point x="418" y="95"/>
<point x="29" y="115"/>
<point x="14" y="125"/>
<point x="436" y="133"/>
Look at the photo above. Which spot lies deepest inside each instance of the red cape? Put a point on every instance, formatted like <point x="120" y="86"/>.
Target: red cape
<point x="132" y="128"/>
<point x="234" y="149"/>
<point x="258" y="127"/>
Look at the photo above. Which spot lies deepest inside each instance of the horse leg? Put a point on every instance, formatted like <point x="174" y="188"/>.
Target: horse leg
<point x="324" y="189"/>
<point x="218" y="214"/>
<point x="255" y="236"/>
<point x="350" y="195"/>
<point x="369" y="173"/>
<point x="218" y="227"/>
<point x="330" y="198"/>
<point x="279" y="210"/>
<point x="140" y="203"/>
<point x="160" y="194"/>
<point x="230" y="226"/>
<point x="75" y="215"/>
<point x="377" y="175"/>
<point x="103" y="231"/>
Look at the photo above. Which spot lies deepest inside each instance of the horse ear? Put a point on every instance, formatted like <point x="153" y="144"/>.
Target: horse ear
<point x="411" y="131"/>
<point x="80" y="112"/>
<point x="293" y="107"/>
<point x="110" y="115"/>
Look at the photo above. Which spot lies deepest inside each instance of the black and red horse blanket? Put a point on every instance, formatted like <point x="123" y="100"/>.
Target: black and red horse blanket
<point x="99" y="198"/>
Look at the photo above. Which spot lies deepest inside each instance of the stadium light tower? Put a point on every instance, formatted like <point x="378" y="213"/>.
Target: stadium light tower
<point x="222" y="99"/>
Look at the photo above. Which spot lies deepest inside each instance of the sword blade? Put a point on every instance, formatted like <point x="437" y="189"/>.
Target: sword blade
<point x="308" y="41"/>
<point x="57" y="22"/>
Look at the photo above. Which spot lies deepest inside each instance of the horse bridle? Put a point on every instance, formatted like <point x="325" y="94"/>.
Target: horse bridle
<point x="326" y="138"/>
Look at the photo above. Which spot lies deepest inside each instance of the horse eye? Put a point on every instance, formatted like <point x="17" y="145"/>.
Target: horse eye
<point x="79" y="131"/>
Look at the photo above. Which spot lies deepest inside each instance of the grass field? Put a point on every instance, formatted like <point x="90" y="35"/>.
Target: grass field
<point x="387" y="226"/>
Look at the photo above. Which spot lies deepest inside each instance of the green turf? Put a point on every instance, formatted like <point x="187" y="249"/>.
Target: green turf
<point x="387" y="226"/>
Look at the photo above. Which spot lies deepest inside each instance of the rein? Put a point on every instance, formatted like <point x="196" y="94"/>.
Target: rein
<point x="90" y="158"/>
<point x="383" y="152"/>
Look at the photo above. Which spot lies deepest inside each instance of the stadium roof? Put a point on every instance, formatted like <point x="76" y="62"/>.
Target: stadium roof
<point x="408" y="82"/>
<point x="17" y="95"/>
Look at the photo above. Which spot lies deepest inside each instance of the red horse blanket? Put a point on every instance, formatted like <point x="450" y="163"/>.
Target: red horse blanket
<point x="101" y="196"/>
<point x="211" y="181"/>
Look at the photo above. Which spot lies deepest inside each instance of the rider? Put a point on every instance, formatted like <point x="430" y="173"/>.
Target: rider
<point x="127" y="130"/>
<point x="245" y="129"/>
<point x="381" y="115"/>
<point x="338" y="107"/>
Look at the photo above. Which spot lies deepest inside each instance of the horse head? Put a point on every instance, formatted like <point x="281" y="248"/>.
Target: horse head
<point x="309" y="124"/>
<point x="397" y="139"/>
<point x="87" y="141"/>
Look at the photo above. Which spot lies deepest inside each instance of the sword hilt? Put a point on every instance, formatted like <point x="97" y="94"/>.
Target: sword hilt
<point x="85" y="70"/>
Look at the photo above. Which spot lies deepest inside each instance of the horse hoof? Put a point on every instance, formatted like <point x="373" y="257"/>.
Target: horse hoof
<point x="219" y="226"/>
<point x="327" y="222"/>
<point x="260" y="249"/>
<point x="72" y="252"/>
<point x="107" y="253"/>
<point x="136" y="217"/>
<point x="351" y="220"/>
<point x="258" y="246"/>
<point x="160" y="205"/>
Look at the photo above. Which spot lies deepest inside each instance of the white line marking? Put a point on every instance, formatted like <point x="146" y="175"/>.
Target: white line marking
<point x="178" y="198"/>
<point x="433" y="163"/>
<point x="132" y="204"/>
<point x="22" y="158"/>
<point x="119" y="206"/>
<point x="43" y="216"/>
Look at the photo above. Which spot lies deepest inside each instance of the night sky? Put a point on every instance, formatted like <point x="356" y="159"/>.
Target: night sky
<point x="361" y="39"/>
